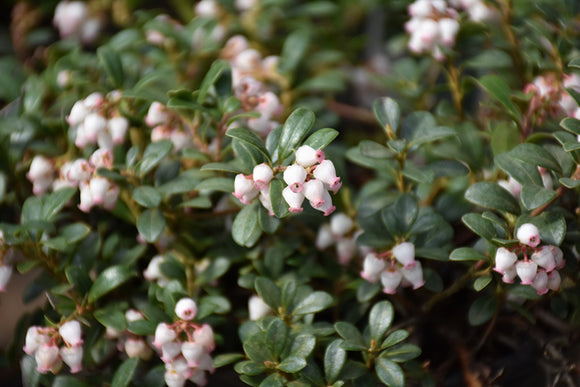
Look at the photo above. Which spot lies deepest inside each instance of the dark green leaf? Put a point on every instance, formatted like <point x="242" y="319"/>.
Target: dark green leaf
<point x="418" y="174"/>
<point x="274" y="380"/>
<point x="401" y="352"/>
<point x="247" y="155"/>
<point x="220" y="184"/>
<point x="147" y="196"/>
<point x="292" y="364"/>
<point x="211" y="77"/>
<point x="250" y="367"/>
<point x="154" y="153"/>
<point x="425" y="134"/>
<point x="388" y="113"/>
<point x="490" y="195"/>
<point x="500" y="90"/>
<point x="569" y="183"/>
<point x="249" y="138"/>
<point x="246" y="229"/>
<point x="380" y="319"/>
<point x="535" y="155"/>
<point x="111" y="61"/>
<point x="481" y="282"/>
<point x="467" y="254"/>
<point x="482" y="310"/>
<point x="222" y="167"/>
<point x="334" y="360"/>
<point x="269" y="292"/>
<point x="79" y="278"/>
<point x="276" y="337"/>
<point x="295" y="128"/>
<point x="353" y="339"/>
<point x="313" y="303"/>
<point x="293" y="50"/>
<point x="55" y="201"/>
<point x="111" y="317"/>
<point x="151" y="224"/>
<point x="395" y="338"/>
<point x="198" y="202"/>
<point x="520" y="170"/>
<point x="389" y="372"/>
<point x="110" y="279"/>
<point x="125" y="373"/>
<point x="534" y="196"/>
<point x="571" y="124"/>
<point x="302" y="345"/>
<point x="75" y="232"/>
<point x="321" y="138"/>
<point x="226" y="358"/>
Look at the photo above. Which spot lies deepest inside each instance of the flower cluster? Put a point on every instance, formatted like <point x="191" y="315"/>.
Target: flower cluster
<point x="42" y="343"/>
<point x="342" y="233"/>
<point x="166" y="127"/>
<point x="72" y="19"/>
<point x="433" y="26"/>
<point x="133" y="345"/>
<point x="393" y="268"/>
<point x="477" y="10"/>
<point x="549" y="97"/>
<point x="538" y="270"/>
<point x="185" y="346"/>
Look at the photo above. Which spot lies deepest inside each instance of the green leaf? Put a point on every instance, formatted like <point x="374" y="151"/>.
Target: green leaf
<point x="79" y="278"/>
<point x="55" y="201"/>
<point x="274" y="380"/>
<point x="490" y="195"/>
<point x="269" y="292"/>
<point x="249" y="138"/>
<point x="247" y="155"/>
<point x="198" y="202"/>
<point x="389" y="372"/>
<point x="520" y="170"/>
<point x="246" y="229"/>
<point x="313" y="303"/>
<point x="380" y="319"/>
<point x="268" y="223"/>
<point x="534" y="196"/>
<point x="423" y="135"/>
<point x="276" y="337"/>
<point x="500" y="90"/>
<point x="479" y="225"/>
<point x="353" y="339"/>
<point x="388" y="113"/>
<point x="490" y="59"/>
<point x="218" y="267"/>
<point x="482" y="310"/>
<point x="125" y="372"/>
<point x="505" y="135"/>
<point x="292" y="364"/>
<point x="142" y="327"/>
<point x="68" y="381"/>
<point x="220" y="184"/>
<point x="303" y="345"/>
<point x="395" y="338"/>
<point x="418" y="174"/>
<point x="147" y="196"/>
<point x="75" y="232"/>
<point x="571" y="124"/>
<point x="222" y="167"/>
<point x="111" y="317"/>
<point x="226" y="358"/>
<point x="211" y="77"/>
<point x="279" y="205"/>
<point x="110" y="279"/>
<point x="467" y="254"/>
<point x="481" y="282"/>
<point x="295" y="128"/>
<point x="375" y="150"/>
<point x="569" y="183"/>
<point x="111" y="61"/>
<point x="151" y="224"/>
<point x="574" y="63"/>
<point x="154" y="153"/>
<point x="401" y="352"/>
<point x="250" y="367"/>
<point x="535" y="155"/>
<point x="334" y="360"/>
<point x="293" y="50"/>
<point x="399" y="217"/>
<point x="321" y="138"/>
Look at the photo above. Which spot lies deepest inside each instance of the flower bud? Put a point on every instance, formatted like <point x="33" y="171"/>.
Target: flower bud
<point x="448" y="29"/>
<point x="265" y="199"/>
<point x="174" y="379"/>
<point x="93" y="100"/>
<point x="345" y="249"/>
<point x="414" y="274"/>
<point x="257" y="308"/>
<point x="78" y="113"/>
<point x="372" y="268"/>
<point x="248" y="60"/>
<point x="558" y="257"/>
<point x="46" y="357"/>
<point x="94" y="124"/>
<point x="268" y="105"/>
<point x="324" y="238"/>
<point x="101" y="158"/>
<point x="294" y="176"/>
<point x="204" y="336"/>
<point x="262" y="175"/>
<point x="504" y="259"/>
<point x="40" y="167"/>
<point x="70" y="332"/>
<point x="540" y="282"/>
<point x="98" y="187"/>
<point x="544" y="258"/>
<point x="528" y="234"/>
<point x="294" y="199"/>
<point x="79" y="170"/>
<point x="73" y="357"/>
<point x="5" y="274"/>
<point x="340" y="224"/>
<point x="244" y="188"/>
<point x="404" y="253"/>
<point x="111" y="196"/>
<point x="118" y="127"/>
<point x="314" y="191"/>
<point x="156" y="115"/>
<point x="34" y="339"/>
<point x="192" y="352"/>
<point x="163" y="334"/>
<point x="306" y="156"/>
<point x="69" y="17"/>
<point x="137" y="347"/>
<point x="390" y="279"/>
<point x="186" y="309"/>
<point x="554" y="280"/>
<point x="526" y="271"/>
<point x="153" y="270"/>
<point x="326" y="173"/>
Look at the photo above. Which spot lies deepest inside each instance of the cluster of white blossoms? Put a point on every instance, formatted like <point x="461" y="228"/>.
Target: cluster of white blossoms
<point x="133" y="345"/>
<point x="393" y="268"/>
<point x="538" y="270"/>
<point x="166" y="126"/>
<point x="249" y="70"/>
<point x="311" y="177"/>
<point x="433" y="26"/>
<point x="549" y="97"/>
<point x="342" y="233"/>
<point x="185" y="346"/>
<point x="43" y="344"/>
<point x="477" y="10"/>
<point x="72" y="19"/>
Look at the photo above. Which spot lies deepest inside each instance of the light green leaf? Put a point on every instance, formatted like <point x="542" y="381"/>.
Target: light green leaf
<point x="147" y="196"/>
<point x="481" y="282"/>
<point x="295" y="128"/>
<point x="220" y="184"/>
<point x="313" y="303"/>
<point x="211" y="77"/>
<point x="467" y="254"/>
<point x="154" y="153"/>
<point x="113" y="65"/>
<point x="334" y="360"/>
<point x="151" y="224"/>
<point x="292" y="364"/>
<point x="389" y="372"/>
<point x="388" y="113"/>
<point x="380" y="319"/>
<point x="500" y="90"/>
<point x="321" y="138"/>
<point x="293" y="50"/>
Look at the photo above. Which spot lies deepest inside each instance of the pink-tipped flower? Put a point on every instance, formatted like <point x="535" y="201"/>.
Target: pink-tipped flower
<point x="448" y="29"/>
<point x="99" y="186"/>
<point x="73" y="357"/>
<point x="340" y="224"/>
<point x="94" y="124"/>
<point x="544" y="258"/>
<point x="174" y="379"/>
<point x="111" y="196"/>
<point x="192" y="352"/>
<point x="326" y="208"/>
<point x="137" y="347"/>
<point x="269" y="105"/>
<point x="79" y="170"/>
<point x="372" y="268"/>
<point x="294" y="176"/>
<point x="294" y="199"/>
<point x="248" y="60"/>
<point x="69" y="17"/>
<point x="70" y="332"/>
<point x="540" y="282"/>
<point x="257" y="308"/>
<point x="306" y="156"/>
<point x="204" y="336"/>
<point x="118" y="127"/>
<point x="101" y="158"/>
<point x="5" y="274"/>
<point x="404" y="253"/>
<point x="558" y="257"/>
<point x="509" y="274"/>
<point x="86" y="197"/>
<point x="324" y="238"/>
<point x="153" y="270"/>
<point x="34" y="339"/>
<point x="186" y="309"/>
<point x="244" y="188"/>
<point x="528" y="234"/>
<point x="157" y="114"/>
<point x="554" y="280"/>
<point x="40" y="167"/>
<point x="504" y="259"/>
<point x="262" y="175"/>
<point x="264" y="198"/>
<point x="391" y="279"/>
<point x="46" y="357"/>
<point x="170" y="351"/>
<point x="526" y="271"/>
<point x="78" y="113"/>
<point x="414" y="274"/>
<point x="314" y="191"/>
<point x="163" y="334"/>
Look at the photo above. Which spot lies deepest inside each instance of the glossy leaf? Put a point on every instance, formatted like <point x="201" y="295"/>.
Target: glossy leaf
<point x="292" y="364"/>
<point x="147" y="196"/>
<point x="534" y="196"/>
<point x="520" y="170"/>
<point x="353" y="339"/>
<point x="279" y="205"/>
<point x="535" y="155"/>
<point x="380" y="319"/>
<point x="394" y="338"/>
<point x="387" y="112"/>
<point x="151" y="224"/>
<point x="125" y="372"/>
<point x="293" y="50"/>
<point x="313" y="303"/>
<point x="321" y="138"/>
<point x="492" y="196"/>
<point x="220" y="184"/>
<point x="389" y="372"/>
<point x="401" y="352"/>
<point x="269" y="292"/>
<point x="246" y="229"/>
<point x="295" y="128"/>
<point x="334" y="360"/>
<point x="479" y="225"/>
<point x="55" y="201"/>
<point x="467" y="254"/>
<point x="110" y="279"/>
<point x="500" y="90"/>
<point x="154" y="153"/>
<point x="249" y="138"/>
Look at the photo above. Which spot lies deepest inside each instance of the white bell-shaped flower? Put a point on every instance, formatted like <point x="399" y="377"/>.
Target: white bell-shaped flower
<point x="156" y="115"/>
<point x="163" y="334"/>
<point x="372" y="268"/>
<point x="170" y="351"/>
<point x="294" y="176"/>
<point x="504" y="259"/>
<point x="345" y="250"/>
<point x="5" y="274"/>
<point x="34" y="339"/>
<point x="324" y="238"/>
<point x="118" y="127"/>
<point x="174" y="379"/>
<point x="326" y="173"/>
<point x="137" y="348"/>
<point x="71" y="332"/>
<point x="414" y="274"/>
<point x="306" y="156"/>
<point x="262" y="175"/>
<point x="186" y="309"/>
<point x="94" y="124"/>
<point x="78" y="113"/>
<point x="391" y="279"/>
<point x="540" y="282"/>
<point x="101" y="158"/>
<point x="204" y="336"/>
<point x="526" y="271"/>
<point x="80" y="170"/>
<point x="73" y="357"/>
<point x="448" y="29"/>
<point x="46" y="357"/>
<point x="544" y="258"/>
<point x="509" y="274"/>
<point x="528" y="234"/>
<point x="558" y="257"/>
<point x="192" y="352"/>
<point x="554" y="280"/>
<point x="294" y="199"/>
<point x="340" y="224"/>
<point x="326" y="208"/>
<point x="257" y="308"/>
<point x="99" y="186"/>
<point x="244" y="188"/>
<point x="404" y="253"/>
<point x="314" y="191"/>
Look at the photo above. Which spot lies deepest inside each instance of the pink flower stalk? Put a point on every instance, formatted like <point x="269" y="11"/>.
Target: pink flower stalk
<point x="294" y="176"/>
<point x="306" y="156"/>
<point x="391" y="279"/>
<point x="504" y="259"/>
<point x="186" y="309"/>
<point x="528" y="234"/>
<point x="294" y="199"/>
<point x="526" y="271"/>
